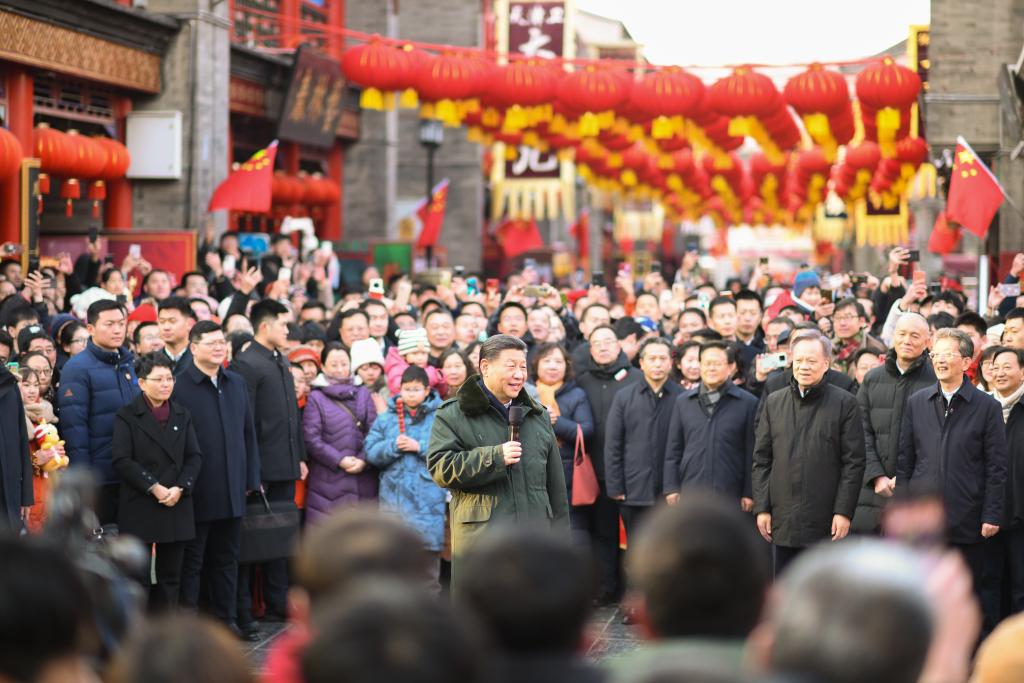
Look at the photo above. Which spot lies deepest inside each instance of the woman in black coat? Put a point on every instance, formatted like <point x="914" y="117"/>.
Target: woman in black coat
<point x="156" y="455"/>
<point x="570" y="412"/>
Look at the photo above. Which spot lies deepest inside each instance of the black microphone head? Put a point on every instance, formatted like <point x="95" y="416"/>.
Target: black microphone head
<point x="516" y="415"/>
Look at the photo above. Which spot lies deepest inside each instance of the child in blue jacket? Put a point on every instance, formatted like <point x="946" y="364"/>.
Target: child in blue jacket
<point x="406" y="486"/>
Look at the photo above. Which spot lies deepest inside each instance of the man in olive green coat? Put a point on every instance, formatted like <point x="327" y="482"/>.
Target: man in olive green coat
<point x="494" y="480"/>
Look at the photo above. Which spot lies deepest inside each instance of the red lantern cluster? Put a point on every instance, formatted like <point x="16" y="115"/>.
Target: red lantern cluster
<point x="754" y="107"/>
<point x="76" y="158"/>
<point x="806" y="181"/>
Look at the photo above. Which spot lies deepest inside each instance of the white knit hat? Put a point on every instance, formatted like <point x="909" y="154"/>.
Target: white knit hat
<point x="364" y="352"/>
<point x="410" y="340"/>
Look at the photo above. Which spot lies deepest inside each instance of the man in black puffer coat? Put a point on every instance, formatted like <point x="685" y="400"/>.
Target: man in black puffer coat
<point x="882" y="398"/>
<point x="607" y="373"/>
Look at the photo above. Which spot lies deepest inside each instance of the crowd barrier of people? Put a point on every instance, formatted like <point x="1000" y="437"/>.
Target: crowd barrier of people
<point x="812" y="480"/>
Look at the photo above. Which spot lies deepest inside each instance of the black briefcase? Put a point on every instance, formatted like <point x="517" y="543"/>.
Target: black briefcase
<point x="269" y="530"/>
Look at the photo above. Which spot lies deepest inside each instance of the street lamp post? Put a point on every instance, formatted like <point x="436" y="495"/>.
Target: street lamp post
<point x="431" y="137"/>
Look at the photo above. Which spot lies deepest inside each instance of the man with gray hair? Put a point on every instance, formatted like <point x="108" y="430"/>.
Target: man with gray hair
<point x="882" y="398"/>
<point x="808" y="456"/>
<point x="849" y="613"/>
<point x="953" y="444"/>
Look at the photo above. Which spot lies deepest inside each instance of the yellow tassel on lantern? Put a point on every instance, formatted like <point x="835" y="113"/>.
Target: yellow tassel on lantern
<point x="475" y="134"/>
<point x="409" y="99"/>
<point x="389" y="101"/>
<point x="674" y="182"/>
<point x="615" y="160"/>
<point x="590" y="125"/>
<point x="665" y="161"/>
<point x="628" y="177"/>
<point x="511" y="152"/>
<point x="741" y="126"/>
<point x="888" y="122"/>
<point x="372" y="99"/>
<point x="661" y="128"/>
<point x="428" y="110"/>
<point x="636" y="133"/>
<point x="515" y="119"/>
<point x="606" y="119"/>
<point x="447" y="112"/>
<point x="531" y="138"/>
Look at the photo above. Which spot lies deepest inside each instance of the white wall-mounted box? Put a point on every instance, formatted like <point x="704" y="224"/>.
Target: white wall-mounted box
<point x="154" y="142"/>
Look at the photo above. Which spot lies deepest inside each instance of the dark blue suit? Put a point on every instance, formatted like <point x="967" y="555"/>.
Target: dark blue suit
<point x="222" y="416"/>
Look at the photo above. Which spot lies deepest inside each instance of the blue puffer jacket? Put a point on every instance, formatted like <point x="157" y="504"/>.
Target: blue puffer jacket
<point x="405" y="484"/>
<point x="94" y="385"/>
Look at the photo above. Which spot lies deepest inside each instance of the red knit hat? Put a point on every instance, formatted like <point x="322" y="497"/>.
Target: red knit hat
<point x="146" y="313"/>
<point x="302" y="353"/>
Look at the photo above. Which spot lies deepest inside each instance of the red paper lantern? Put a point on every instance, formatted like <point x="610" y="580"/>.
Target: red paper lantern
<point x="378" y="67"/>
<point x="116" y="156"/>
<point x="594" y="92"/>
<point x="912" y="151"/>
<point x="526" y="83"/>
<point x="744" y="93"/>
<point x="445" y="79"/>
<point x="887" y="84"/>
<point x="53" y="149"/>
<point x="817" y="90"/>
<point x="89" y="157"/>
<point x="669" y="92"/>
<point x="864" y="155"/>
<point x="10" y="153"/>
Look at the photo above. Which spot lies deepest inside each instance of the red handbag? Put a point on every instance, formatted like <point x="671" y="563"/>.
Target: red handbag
<point x="584" y="480"/>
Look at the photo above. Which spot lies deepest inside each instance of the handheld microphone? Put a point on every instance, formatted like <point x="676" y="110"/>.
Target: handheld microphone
<point x="515" y="420"/>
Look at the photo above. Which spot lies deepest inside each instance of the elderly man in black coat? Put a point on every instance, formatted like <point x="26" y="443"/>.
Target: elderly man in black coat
<point x="808" y="456"/>
<point x="953" y="444"/>
<point x="15" y="466"/>
<point x="279" y="435"/>
<point x="219" y="402"/>
<point x="882" y="399"/>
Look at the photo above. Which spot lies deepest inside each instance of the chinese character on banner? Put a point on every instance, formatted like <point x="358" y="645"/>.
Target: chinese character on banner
<point x="535" y="29"/>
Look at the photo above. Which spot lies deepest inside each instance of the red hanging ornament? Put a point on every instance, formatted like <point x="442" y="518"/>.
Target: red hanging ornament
<point x="70" y="190"/>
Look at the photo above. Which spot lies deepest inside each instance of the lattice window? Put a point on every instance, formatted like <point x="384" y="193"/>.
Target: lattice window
<point x="256" y="28"/>
<point x="75" y="100"/>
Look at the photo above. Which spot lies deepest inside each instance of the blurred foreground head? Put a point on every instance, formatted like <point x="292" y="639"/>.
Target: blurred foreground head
<point x="390" y="632"/>
<point x="1001" y="657"/>
<point x="848" y="613"/>
<point x="181" y="648"/>
<point x="357" y="543"/>
<point x="698" y="569"/>
<point x="530" y="589"/>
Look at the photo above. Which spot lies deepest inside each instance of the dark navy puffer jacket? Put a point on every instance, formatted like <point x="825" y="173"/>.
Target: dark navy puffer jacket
<point x="94" y="385"/>
<point x="331" y="434"/>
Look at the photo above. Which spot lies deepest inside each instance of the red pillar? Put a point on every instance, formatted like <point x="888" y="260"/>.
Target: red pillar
<point x="290" y="12"/>
<point x="335" y="20"/>
<point x="117" y="210"/>
<point x="331" y="227"/>
<point x="291" y="157"/>
<point x="19" y="122"/>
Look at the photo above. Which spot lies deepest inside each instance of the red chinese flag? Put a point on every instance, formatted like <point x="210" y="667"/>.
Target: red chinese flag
<point x="581" y="232"/>
<point x="431" y="215"/>
<point x="248" y="188"/>
<point x="944" y="237"/>
<point x="974" y="193"/>
<point x="518" y="237"/>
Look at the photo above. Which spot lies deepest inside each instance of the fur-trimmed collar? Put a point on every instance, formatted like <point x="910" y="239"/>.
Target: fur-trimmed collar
<point x="473" y="400"/>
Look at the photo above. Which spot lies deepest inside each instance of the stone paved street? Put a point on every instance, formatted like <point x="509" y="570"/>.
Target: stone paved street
<point x="608" y="635"/>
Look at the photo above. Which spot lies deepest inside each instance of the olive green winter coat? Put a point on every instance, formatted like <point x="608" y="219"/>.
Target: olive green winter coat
<point x="465" y="457"/>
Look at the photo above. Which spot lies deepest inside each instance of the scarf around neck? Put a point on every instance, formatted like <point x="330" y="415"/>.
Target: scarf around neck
<point x="1008" y="402"/>
<point x="547" y="395"/>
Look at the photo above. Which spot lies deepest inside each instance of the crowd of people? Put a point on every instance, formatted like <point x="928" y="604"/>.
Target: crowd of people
<point x="540" y="450"/>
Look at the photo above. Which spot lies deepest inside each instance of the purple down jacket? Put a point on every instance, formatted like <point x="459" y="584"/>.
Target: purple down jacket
<point x="331" y="434"/>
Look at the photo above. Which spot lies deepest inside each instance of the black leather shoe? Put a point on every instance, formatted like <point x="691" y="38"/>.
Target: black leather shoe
<point x="249" y="632"/>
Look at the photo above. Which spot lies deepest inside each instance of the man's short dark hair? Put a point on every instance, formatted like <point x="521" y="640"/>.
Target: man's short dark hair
<point x="310" y="305"/>
<point x="265" y="311"/>
<point x="150" y="274"/>
<point x="1018" y="353"/>
<point x="950" y="297"/>
<point x="1015" y="314"/>
<point x="202" y="327"/>
<point x="313" y="331"/>
<point x="432" y="313"/>
<point x="650" y="294"/>
<point x="137" y="333"/>
<point x="720" y="301"/>
<point x="295" y="333"/>
<point x="602" y="327"/>
<point x="749" y="295"/>
<point x="148" y="362"/>
<point x="6" y="340"/>
<point x="721" y="345"/>
<point x="850" y="302"/>
<point x="782" y="320"/>
<point x="626" y="326"/>
<point x="654" y="341"/>
<point x="494" y="345"/>
<point x="590" y="307"/>
<point x="177" y="303"/>
<point x="700" y="569"/>
<point x="19" y="313"/>
<point x="972" y="319"/>
<point x="44" y="607"/>
<point x="192" y="273"/>
<point x="92" y="315"/>
<point x="695" y="311"/>
<point x="415" y="373"/>
<point x="390" y="632"/>
<point x="351" y="313"/>
<point x="531" y="589"/>
<point x="501" y="310"/>
<point x="707" y="334"/>
<point x="940" y="320"/>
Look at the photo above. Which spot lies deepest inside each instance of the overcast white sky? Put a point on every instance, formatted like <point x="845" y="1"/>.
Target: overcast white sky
<point x="714" y="32"/>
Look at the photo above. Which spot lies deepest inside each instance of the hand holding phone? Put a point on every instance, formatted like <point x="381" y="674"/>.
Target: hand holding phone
<point x="135" y="251"/>
<point x="284" y="275"/>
